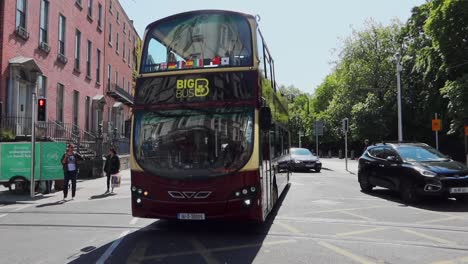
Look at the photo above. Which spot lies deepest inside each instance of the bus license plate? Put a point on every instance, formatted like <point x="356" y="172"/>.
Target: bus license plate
<point x="189" y="216"/>
<point x="459" y="190"/>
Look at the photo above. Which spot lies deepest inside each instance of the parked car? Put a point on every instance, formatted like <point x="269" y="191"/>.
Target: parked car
<point x="413" y="169"/>
<point x="300" y="159"/>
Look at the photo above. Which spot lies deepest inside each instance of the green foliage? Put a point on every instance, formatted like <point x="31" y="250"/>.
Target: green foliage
<point x="7" y="135"/>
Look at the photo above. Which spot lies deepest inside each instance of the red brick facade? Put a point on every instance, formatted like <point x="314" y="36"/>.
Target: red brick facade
<point x="13" y="44"/>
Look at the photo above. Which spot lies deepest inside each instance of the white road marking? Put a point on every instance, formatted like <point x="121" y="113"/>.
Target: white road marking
<point x="359" y="232"/>
<point x="3" y="215"/>
<point x="112" y="247"/>
<point x="436" y="239"/>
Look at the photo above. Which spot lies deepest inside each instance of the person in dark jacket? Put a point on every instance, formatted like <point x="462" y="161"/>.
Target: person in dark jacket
<point x="70" y="162"/>
<point x="112" y="166"/>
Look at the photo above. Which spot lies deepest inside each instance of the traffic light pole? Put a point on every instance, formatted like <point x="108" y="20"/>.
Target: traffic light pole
<point x="33" y="143"/>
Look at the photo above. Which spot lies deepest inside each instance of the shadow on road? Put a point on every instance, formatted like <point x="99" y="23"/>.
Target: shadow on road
<point x="439" y="204"/>
<point x="60" y="202"/>
<point x="101" y="196"/>
<point x="170" y="241"/>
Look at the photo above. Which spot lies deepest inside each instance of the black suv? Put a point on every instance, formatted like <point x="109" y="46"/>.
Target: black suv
<point x="413" y="169"/>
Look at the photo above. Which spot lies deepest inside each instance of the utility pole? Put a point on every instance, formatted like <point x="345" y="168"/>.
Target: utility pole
<point x="399" y="68"/>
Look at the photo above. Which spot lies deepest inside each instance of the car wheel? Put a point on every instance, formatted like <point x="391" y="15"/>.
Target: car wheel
<point x="366" y="187"/>
<point x="408" y="192"/>
<point x="317" y="170"/>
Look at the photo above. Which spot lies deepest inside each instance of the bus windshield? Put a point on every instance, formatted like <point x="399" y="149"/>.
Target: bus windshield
<point x="193" y="143"/>
<point x="198" y="40"/>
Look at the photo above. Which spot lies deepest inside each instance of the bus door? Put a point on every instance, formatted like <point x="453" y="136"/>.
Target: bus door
<point x="266" y="172"/>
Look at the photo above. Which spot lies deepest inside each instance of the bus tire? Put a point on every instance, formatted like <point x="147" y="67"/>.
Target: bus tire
<point x="275" y="192"/>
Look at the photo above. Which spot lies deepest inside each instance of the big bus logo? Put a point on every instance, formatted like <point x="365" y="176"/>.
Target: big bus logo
<point x="192" y="88"/>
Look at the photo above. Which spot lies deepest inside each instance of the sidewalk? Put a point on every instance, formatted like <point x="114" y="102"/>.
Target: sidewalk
<point x="84" y="189"/>
<point x="336" y="164"/>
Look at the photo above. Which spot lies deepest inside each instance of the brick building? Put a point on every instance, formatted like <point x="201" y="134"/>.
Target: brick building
<point x="63" y="49"/>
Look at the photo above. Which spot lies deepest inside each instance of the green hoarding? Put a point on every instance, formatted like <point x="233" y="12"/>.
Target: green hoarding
<point x="15" y="160"/>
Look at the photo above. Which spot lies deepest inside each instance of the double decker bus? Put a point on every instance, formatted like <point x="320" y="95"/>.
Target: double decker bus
<point x="208" y="127"/>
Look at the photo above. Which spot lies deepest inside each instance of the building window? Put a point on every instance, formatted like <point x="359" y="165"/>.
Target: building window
<point x="124" y="28"/>
<point x="128" y="87"/>
<point x="88" y="59"/>
<point x="90" y="8"/>
<point x="128" y="56"/>
<point x="99" y="22"/>
<point x="123" y="82"/>
<point x="109" y="72"/>
<point x="41" y="86"/>
<point x="123" y="50"/>
<point x="117" y="43"/>
<point x="62" y="25"/>
<point x="87" y="112"/>
<point x="77" y="50"/>
<point x="110" y="34"/>
<point x="110" y="6"/>
<point x="21" y="13"/>
<point x="116" y="79"/>
<point x="60" y="98"/>
<point x="78" y="3"/>
<point x="76" y="97"/>
<point x="98" y="66"/>
<point x="44" y="22"/>
<point x="118" y="18"/>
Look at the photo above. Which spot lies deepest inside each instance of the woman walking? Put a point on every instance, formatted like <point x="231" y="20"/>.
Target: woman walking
<point x="112" y="166"/>
<point x="70" y="161"/>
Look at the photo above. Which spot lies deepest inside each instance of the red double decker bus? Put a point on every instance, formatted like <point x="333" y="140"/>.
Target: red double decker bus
<point x="209" y="127"/>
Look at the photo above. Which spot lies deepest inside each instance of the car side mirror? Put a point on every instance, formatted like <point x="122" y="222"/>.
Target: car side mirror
<point x="265" y="118"/>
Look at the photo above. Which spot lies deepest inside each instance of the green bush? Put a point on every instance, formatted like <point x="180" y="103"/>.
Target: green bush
<point x="7" y="135"/>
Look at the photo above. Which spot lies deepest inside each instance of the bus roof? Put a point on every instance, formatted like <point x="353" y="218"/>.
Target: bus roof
<point x="206" y="11"/>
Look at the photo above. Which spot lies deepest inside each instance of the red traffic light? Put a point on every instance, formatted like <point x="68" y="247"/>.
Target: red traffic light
<point x="41" y="102"/>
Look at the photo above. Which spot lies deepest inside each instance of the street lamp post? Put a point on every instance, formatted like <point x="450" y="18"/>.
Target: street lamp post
<point x="399" y="68"/>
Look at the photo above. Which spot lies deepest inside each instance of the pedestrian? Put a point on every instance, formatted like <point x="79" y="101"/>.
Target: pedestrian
<point x="112" y="166"/>
<point x="366" y="144"/>
<point x="70" y="162"/>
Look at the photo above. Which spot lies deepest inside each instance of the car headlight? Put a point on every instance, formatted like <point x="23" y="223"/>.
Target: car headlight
<point x="426" y="173"/>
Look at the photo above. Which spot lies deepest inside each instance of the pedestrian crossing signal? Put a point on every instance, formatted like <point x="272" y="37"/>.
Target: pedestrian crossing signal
<point x="41" y="109"/>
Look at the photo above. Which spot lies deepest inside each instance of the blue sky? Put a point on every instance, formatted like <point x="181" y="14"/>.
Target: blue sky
<point x="304" y="36"/>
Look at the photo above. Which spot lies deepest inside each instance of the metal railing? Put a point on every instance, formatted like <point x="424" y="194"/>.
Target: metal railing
<point x="18" y="126"/>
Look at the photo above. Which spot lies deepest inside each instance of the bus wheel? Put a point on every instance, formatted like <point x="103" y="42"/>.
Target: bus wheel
<point x="275" y="193"/>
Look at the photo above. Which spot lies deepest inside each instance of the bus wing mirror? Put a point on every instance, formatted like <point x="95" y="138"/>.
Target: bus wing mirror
<point x="265" y="117"/>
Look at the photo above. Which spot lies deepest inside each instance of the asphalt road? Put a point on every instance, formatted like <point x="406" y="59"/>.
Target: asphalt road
<point x="322" y="218"/>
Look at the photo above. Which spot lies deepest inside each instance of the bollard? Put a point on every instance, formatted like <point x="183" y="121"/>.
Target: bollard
<point x="329" y="154"/>
<point x="340" y="154"/>
<point x="352" y="155"/>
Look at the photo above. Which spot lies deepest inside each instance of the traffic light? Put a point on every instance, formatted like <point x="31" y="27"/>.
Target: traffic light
<point x="41" y="109"/>
<point x="345" y="125"/>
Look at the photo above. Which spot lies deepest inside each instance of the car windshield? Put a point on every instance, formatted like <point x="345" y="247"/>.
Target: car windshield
<point x="301" y="152"/>
<point x="198" y="40"/>
<point x="420" y="153"/>
<point x="193" y="143"/>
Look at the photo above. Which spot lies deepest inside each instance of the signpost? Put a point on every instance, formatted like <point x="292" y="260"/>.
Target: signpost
<point x="345" y="128"/>
<point x="436" y="126"/>
<point x="318" y="131"/>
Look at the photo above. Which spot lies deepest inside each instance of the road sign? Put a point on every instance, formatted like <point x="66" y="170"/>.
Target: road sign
<point x="436" y="124"/>
<point x="318" y="128"/>
<point x="466" y="130"/>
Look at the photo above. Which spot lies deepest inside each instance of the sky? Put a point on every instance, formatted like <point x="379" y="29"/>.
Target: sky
<point x="304" y="36"/>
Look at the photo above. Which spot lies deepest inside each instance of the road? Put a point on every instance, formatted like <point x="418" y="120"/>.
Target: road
<point x="322" y="218"/>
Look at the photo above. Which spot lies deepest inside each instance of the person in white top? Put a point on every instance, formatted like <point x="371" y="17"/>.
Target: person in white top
<point x="70" y="160"/>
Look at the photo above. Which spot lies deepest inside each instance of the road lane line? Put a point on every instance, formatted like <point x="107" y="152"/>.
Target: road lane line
<point x="345" y="253"/>
<point x="215" y="250"/>
<point x="438" y="220"/>
<point x="346" y="209"/>
<point x="436" y="239"/>
<point x="22" y="207"/>
<point x="203" y="251"/>
<point x="359" y="232"/>
<point x="134" y="220"/>
<point x="453" y="261"/>
<point x="3" y="215"/>
<point x="288" y="227"/>
<point x="112" y="247"/>
<point x="356" y="215"/>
